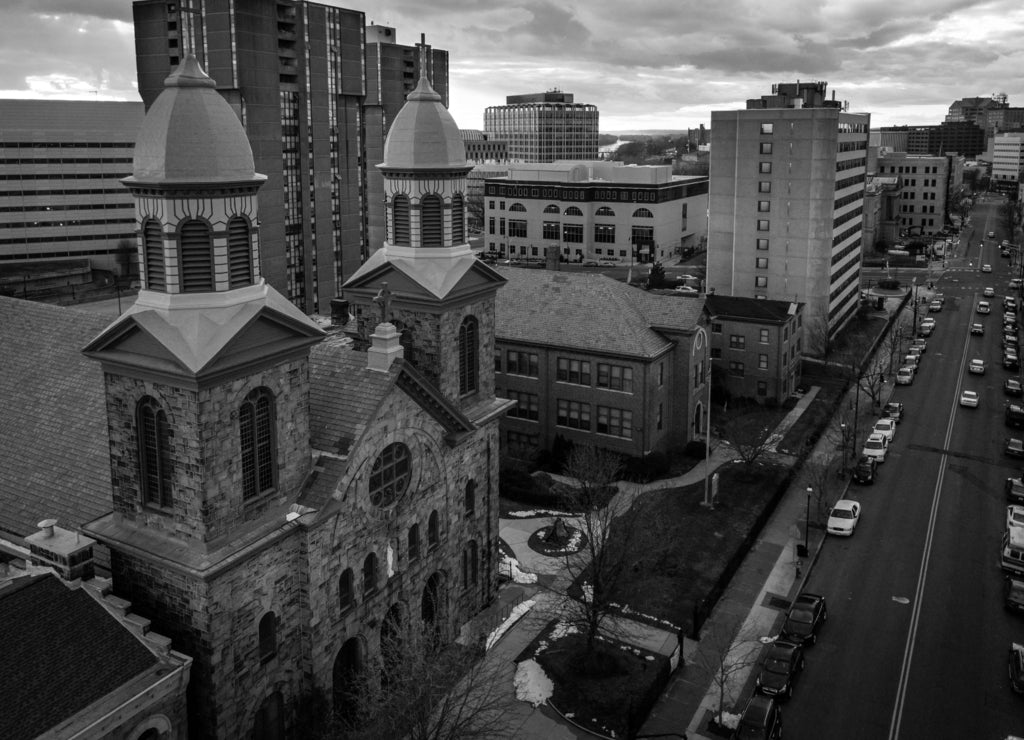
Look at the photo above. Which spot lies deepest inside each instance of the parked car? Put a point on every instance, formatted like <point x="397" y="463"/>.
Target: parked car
<point x="925" y="329"/>
<point x="1011" y="361"/>
<point x="969" y="399"/>
<point x="978" y="329"/>
<point x="986" y="268"/>
<point x="1016" y="667"/>
<point x="843" y="517"/>
<point x="1009" y="303"/>
<point x="919" y="342"/>
<point x="894" y="410"/>
<point x="876" y="446"/>
<point x="1013" y="414"/>
<point x="1015" y="284"/>
<point x="991" y="235"/>
<point x="780" y="668"/>
<point x="989" y="292"/>
<point x="934" y="307"/>
<point x="1013" y="447"/>
<point x="977" y="367"/>
<point x="1012" y="387"/>
<point x="1013" y="594"/>
<point x="806" y="617"/>
<point x="1014" y="515"/>
<point x="984" y="307"/>
<point x="1014" y="489"/>
<point x="905" y="376"/>
<point x="886" y="427"/>
<point x="761" y="719"/>
<point x="864" y="470"/>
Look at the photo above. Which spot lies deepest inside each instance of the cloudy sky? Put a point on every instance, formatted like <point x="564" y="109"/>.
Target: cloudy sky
<point x="646" y="64"/>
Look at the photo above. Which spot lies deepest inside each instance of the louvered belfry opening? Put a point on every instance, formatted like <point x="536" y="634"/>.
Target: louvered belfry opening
<point x="153" y="251"/>
<point x="400" y="215"/>
<point x="458" y="220"/>
<point x="239" y="254"/>
<point x="196" y="253"/>
<point x="432" y="221"/>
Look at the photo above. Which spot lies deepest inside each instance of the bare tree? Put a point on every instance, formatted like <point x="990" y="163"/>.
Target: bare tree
<point x="423" y="692"/>
<point x="749" y="432"/>
<point x="820" y="340"/>
<point x="606" y="526"/>
<point x="821" y="474"/>
<point x="727" y="663"/>
<point x="892" y="344"/>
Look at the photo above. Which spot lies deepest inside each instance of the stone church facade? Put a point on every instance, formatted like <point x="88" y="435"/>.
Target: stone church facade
<point x="284" y="504"/>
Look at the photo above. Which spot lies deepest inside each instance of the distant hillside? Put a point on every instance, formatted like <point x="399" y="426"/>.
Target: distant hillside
<point x="649" y="132"/>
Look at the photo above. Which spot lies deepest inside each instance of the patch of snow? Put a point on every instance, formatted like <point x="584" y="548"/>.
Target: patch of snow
<point x="519" y="610"/>
<point x="562" y="629"/>
<point x="534" y="513"/>
<point x="512" y="566"/>
<point x="730" y="720"/>
<point x="391" y="561"/>
<point x="532" y="683"/>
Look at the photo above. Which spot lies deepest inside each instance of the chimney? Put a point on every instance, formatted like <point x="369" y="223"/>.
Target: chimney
<point x="385" y="348"/>
<point x="67" y="552"/>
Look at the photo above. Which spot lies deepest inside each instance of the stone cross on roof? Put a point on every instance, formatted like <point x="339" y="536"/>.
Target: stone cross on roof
<point x="383" y="299"/>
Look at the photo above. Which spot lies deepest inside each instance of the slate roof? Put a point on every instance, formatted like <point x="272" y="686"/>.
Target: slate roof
<point x="588" y="312"/>
<point x="343" y="394"/>
<point x="748" y="309"/>
<point x="53" y="418"/>
<point x="61" y="652"/>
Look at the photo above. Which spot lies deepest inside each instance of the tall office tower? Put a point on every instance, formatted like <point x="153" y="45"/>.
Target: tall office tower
<point x="60" y="191"/>
<point x="544" y="127"/>
<point x="1007" y="162"/>
<point x="297" y="74"/>
<point x="786" y="200"/>
<point x="391" y="73"/>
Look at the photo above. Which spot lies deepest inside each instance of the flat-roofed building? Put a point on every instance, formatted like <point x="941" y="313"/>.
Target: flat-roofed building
<point x="61" y="162"/>
<point x="544" y="127"/>
<point x="924" y="185"/>
<point x="596" y="210"/>
<point x="785" y="208"/>
<point x="1007" y="162"/>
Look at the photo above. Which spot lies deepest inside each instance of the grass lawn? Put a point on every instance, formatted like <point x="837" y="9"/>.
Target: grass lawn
<point x="680" y="548"/>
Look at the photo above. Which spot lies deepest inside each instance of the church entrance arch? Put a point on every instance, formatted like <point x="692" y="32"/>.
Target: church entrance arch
<point x="698" y="419"/>
<point x="348" y="672"/>
<point x="432" y="609"/>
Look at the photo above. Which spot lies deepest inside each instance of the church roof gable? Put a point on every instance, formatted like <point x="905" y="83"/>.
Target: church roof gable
<point x="53" y="420"/>
<point x="437" y="277"/>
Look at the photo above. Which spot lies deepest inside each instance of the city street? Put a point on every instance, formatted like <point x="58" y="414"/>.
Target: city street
<point x="917" y="637"/>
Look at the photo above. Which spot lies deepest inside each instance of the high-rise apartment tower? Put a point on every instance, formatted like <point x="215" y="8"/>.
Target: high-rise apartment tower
<point x="315" y="91"/>
<point x="786" y="203"/>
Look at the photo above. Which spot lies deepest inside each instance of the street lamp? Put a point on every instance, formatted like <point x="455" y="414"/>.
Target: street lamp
<point x="846" y="455"/>
<point x="807" y="525"/>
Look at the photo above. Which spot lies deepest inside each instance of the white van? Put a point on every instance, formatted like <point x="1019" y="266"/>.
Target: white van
<point x="1011" y="553"/>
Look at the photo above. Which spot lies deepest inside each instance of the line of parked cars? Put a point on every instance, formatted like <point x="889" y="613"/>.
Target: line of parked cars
<point x="780" y="668"/>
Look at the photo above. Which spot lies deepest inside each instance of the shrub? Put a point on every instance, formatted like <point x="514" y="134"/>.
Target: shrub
<point x="889" y="283"/>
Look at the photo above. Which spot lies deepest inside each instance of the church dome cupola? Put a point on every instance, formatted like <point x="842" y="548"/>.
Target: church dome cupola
<point x="195" y="188"/>
<point x="424" y="135"/>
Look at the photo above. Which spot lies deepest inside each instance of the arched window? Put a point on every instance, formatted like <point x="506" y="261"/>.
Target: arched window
<point x="370" y="574"/>
<point x="239" y="253"/>
<point x="642" y="213"/>
<point x="414" y="542"/>
<point x="195" y="249"/>
<point x="256" y="427"/>
<point x="431" y="221"/>
<point x="469" y="351"/>
<point x="573" y="211"/>
<point x="433" y="533"/>
<point x="552" y="209"/>
<point x="390" y="474"/>
<point x="346" y="590"/>
<point x="400" y="214"/>
<point x="458" y="219"/>
<point x="154" y="453"/>
<point x="268" y="637"/>
<point x="470" y="496"/>
<point x="517" y="208"/>
<point x="153" y="255"/>
<point x="604" y="211"/>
